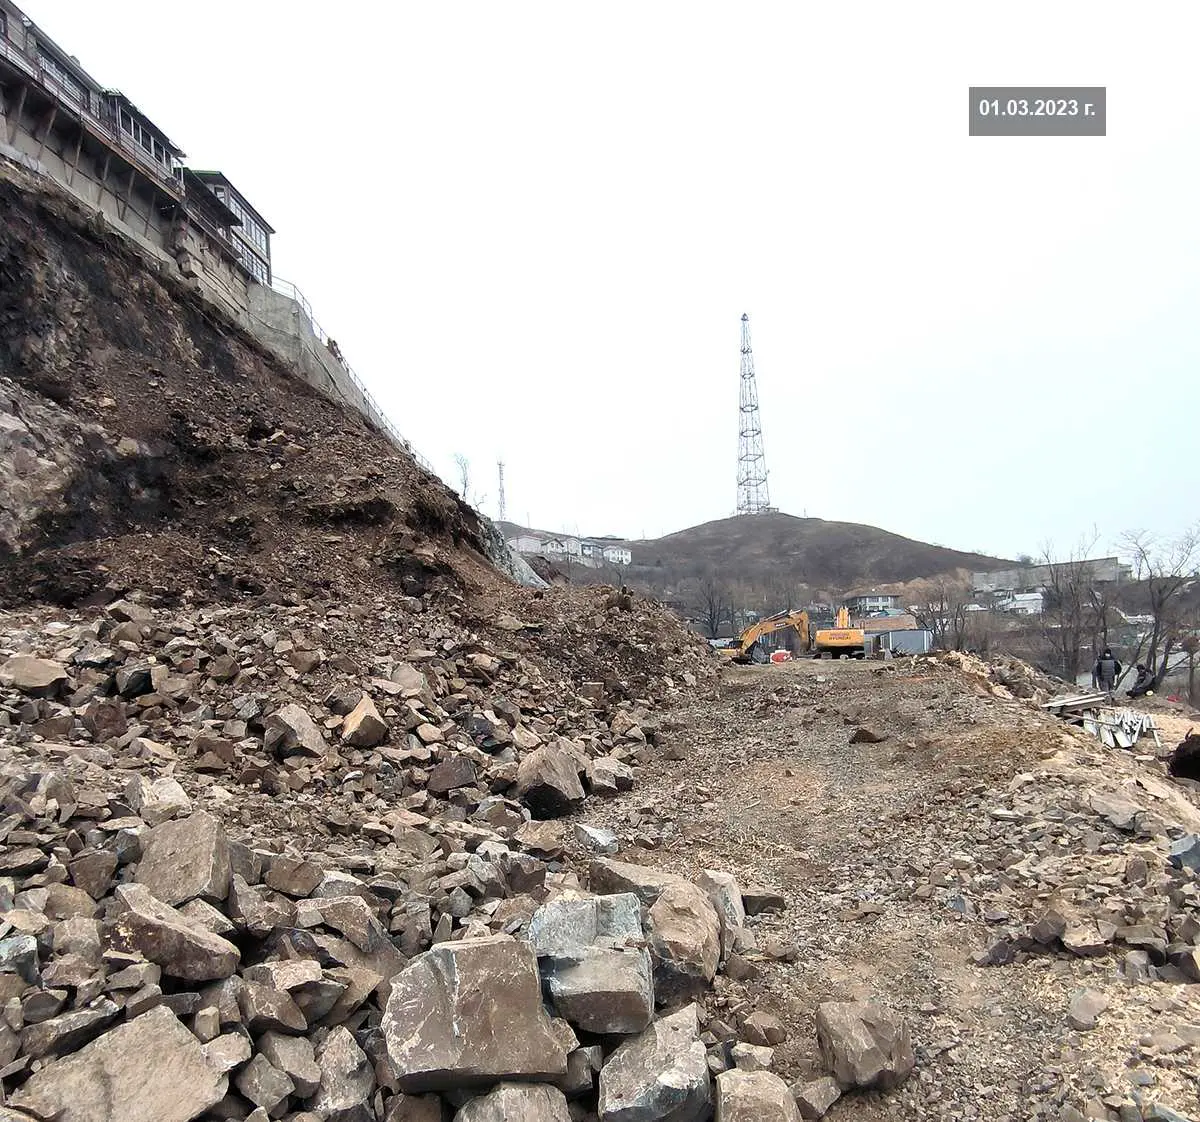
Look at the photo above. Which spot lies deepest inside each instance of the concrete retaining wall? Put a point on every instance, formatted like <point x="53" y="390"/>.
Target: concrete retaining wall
<point x="278" y="322"/>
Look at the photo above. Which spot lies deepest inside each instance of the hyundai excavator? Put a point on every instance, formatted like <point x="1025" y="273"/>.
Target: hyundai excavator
<point x="747" y="648"/>
<point x="841" y="639"/>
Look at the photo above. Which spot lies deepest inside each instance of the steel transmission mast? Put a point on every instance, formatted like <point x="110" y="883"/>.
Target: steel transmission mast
<point x="752" y="495"/>
<point x="501" y="503"/>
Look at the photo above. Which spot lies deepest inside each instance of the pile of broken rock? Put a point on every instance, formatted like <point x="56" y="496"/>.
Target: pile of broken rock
<point x="163" y="972"/>
<point x="245" y="876"/>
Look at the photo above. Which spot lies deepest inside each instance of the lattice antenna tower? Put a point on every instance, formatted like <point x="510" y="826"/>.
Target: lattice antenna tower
<point x="500" y="501"/>
<point x="752" y="494"/>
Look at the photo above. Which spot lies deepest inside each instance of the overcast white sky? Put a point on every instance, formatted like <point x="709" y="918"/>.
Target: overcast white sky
<point x="533" y="228"/>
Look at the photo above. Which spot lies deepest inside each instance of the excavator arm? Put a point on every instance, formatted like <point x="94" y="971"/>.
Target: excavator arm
<point x="768" y="626"/>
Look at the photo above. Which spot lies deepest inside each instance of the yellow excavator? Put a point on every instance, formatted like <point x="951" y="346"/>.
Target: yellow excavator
<point x="747" y="648"/>
<point x="840" y="640"/>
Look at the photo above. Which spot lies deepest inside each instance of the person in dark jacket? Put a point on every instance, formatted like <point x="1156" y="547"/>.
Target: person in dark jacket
<point x="1106" y="671"/>
<point x="1144" y="683"/>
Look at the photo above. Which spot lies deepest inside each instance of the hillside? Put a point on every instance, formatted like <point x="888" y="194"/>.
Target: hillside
<point x="146" y="442"/>
<point x="814" y="551"/>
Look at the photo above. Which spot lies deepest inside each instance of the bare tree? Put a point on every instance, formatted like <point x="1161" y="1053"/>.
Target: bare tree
<point x="1165" y="569"/>
<point x="714" y="602"/>
<point x="1069" y="605"/>
<point x="941" y="608"/>
<point x="1100" y="597"/>
<point x="1190" y="645"/>
<point x="464" y="475"/>
<point x="475" y="498"/>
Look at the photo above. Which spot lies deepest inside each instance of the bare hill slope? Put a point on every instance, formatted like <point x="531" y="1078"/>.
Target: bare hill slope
<point x="820" y="552"/>
<point x="817" y="552"/>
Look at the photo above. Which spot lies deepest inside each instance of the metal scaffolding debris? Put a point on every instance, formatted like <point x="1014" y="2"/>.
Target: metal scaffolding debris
<point x="1114" y="727"/>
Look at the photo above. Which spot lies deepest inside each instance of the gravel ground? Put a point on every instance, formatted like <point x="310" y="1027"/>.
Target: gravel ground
<point x="884" y="854"/>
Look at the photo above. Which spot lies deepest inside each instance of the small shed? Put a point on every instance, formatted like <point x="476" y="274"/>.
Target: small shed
<point x="913" y="640"/>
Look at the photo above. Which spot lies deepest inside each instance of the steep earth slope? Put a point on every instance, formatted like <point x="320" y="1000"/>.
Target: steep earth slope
<point x="146" y="443"/>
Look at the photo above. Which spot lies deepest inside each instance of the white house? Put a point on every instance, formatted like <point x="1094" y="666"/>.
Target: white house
<point x="1023" y="603"/>
<point x="586" y="551"/>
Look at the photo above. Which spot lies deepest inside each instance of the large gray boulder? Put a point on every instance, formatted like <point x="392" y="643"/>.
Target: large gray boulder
<point x="35" y="677"/>
<point x="290" y="731"/>
<point x="593" y="958"/>
<point x="150" y="1069"/>
<point x="347" y="1077"/>
<point x="610" y="876"/>
<point x="159" y="933"/>
<point x="817" y="1096"/>
<point x="512" y="1101"/>
<point x="562" y="926"/>
<point x="605" y="990"/>
<point x="469" y="1013"/>
<point x="548" y="782"/>
<point x="754" y="1096"/>
<point x="659" y="1076"/>
<point x="725" y="895"/>
<point x="864" y="1045"/>
<point x="294" y="1056"/>
<point x="363" y="726"/>
<point x="685" y="940"/>
<point x="185" y="859"/>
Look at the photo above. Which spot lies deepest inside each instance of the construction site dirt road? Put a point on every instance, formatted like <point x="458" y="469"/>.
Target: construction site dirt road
<point x="918" y="820"/>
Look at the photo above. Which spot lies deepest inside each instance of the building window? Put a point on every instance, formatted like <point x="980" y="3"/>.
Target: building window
<point x="62" y="78"/>
<point x="4" y="25"/>
<point x="137" y="131"/>
<point x="256" y="267"/>
<point x="250" y="230"/>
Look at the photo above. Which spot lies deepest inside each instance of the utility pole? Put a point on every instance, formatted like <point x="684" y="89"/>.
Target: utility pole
<point x="752" y="494"/>
<point x="500" y="501"/>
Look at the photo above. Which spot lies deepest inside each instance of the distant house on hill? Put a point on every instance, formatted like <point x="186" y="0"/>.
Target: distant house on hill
<point x="867" y="603"/>
<point x="1032" y="578"/>
<point x="1022" y="603"/>
<point x="588" y="551"/>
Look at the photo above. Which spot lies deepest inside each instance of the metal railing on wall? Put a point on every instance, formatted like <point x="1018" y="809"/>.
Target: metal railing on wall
<point x="374" y="410"/>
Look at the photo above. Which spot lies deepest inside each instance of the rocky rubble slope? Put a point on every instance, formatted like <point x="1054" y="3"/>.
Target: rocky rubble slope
<point x="312" y="885"/>
<point x="284" y="761"/>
